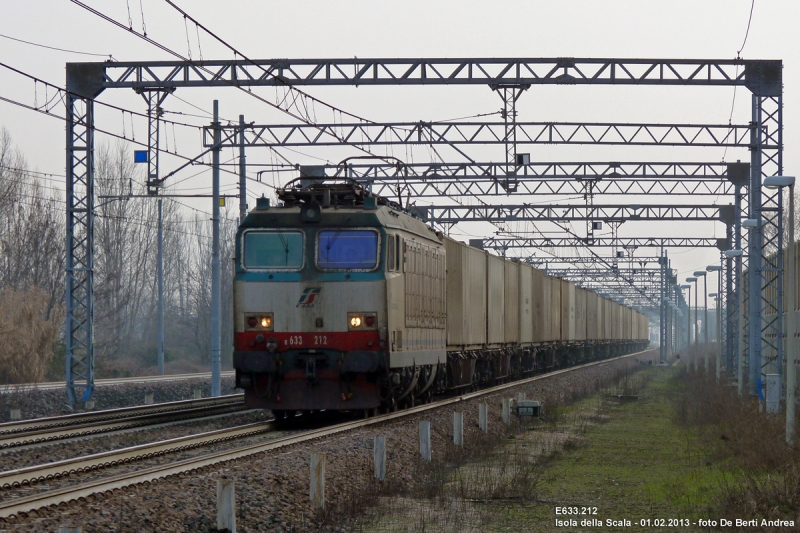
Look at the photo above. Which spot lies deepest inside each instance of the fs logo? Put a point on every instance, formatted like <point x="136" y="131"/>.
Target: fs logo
<point x="308" y="297"/>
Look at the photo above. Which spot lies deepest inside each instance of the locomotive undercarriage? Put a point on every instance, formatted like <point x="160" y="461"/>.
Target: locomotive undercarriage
<point x="310" y="382"/>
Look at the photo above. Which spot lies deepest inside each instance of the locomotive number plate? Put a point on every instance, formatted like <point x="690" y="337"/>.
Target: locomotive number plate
<point x="294" y="340"/>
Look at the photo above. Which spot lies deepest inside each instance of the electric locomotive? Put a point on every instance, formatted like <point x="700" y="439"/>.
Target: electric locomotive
<point x="339" y="302"/>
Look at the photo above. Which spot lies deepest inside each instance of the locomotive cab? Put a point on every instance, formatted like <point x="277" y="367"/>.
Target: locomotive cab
<point x="312" y="316"/>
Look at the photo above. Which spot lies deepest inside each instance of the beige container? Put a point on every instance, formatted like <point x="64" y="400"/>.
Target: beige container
<point x="568" y="328"/>
<point x="580" y="313"/>
<point x="617" y="324"/>
<point x="541" y="305"/>
<point x="608" y="319"/>
<point x="554" y="308"/>
<point x="526" y="304"/>
<point x="466" y="296"/>
<point x="591" y="315"/>
<point x="495" y="275"/>
<point x="627" y="317"/>
<point x="512" y="301"/>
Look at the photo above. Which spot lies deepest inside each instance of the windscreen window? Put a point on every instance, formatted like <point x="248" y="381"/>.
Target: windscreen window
<point x="273" y="250"/>
<point x="347" y="250"/>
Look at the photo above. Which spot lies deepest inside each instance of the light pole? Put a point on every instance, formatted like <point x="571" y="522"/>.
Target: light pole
<point x="775" y="182"/>
<point x="718" y="295"/>
<point x="717" y="299"/>
<point x="755" y="359"/>
<point x="702" y="274"/>
<point x="688" y="317"/>
<point x="739" y="348"/>
<point x="696" y="333"/>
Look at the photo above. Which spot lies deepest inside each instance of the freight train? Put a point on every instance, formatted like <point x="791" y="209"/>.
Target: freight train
<point x="346" y="301"/>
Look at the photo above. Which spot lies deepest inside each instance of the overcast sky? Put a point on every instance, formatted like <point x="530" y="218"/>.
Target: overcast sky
<point x="267" y="29"/>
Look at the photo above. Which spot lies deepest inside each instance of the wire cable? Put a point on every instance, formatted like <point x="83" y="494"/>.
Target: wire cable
<point x="55" y="48"/>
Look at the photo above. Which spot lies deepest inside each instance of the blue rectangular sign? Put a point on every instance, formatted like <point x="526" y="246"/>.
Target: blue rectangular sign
<point x="140" y="156"/>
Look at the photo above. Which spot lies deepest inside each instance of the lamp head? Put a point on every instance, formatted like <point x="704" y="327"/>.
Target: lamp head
<point x="691" y="279"/>
<point x="734" y="253"/>
<point x="712" y="294"/>
<point x="700" y="273"/>
<point x="751" y="223"/>
<point x="776" y="182"/>
<point x="713" y="268"/>
<point x="686" y="286"/>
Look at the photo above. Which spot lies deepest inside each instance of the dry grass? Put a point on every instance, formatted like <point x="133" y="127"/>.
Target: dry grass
<point x="27" y="335"/>
<point x="464" y="489"/>
<point x="763" y="471"/>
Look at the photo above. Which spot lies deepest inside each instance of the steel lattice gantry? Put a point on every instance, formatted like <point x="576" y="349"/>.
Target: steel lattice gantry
<point x="85" y="81"/>
<point x="505" y="243"/>
<point x="422" y="180"/>
<point x="473" y="133"/>
<point x="451" y="214"/>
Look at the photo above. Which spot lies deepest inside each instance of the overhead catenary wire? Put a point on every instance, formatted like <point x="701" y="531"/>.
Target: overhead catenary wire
<point x="55" y="47"/>
<point x="199" y="66"/>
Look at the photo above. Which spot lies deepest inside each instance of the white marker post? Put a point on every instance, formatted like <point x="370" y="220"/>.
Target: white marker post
<point x="317" y="489"/>
<point x="226" y="504"/>
<point x="379" y="457"/>
<point x="425" y="440"/>
<point x="483" y="417"/>
<point x="458" y="429"/>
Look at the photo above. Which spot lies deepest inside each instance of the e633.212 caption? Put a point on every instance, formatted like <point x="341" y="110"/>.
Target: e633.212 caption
<point x="576" y="511"/>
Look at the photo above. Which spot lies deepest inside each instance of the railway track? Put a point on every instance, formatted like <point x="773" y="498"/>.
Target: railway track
<point x="56" y="469"/>
<point x="113" y="381"/>
<point x="85" y="490"/>
<point x="25" y="432"/>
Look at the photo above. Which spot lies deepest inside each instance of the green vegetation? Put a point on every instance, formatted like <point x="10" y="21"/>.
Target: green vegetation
<point x="630" y="460"/>
<point x="639" y="464"/>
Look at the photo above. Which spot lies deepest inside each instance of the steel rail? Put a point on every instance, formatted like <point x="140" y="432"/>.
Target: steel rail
<point x="56" y="469"/>
<point x="36" y="424"/>
<point x="16" y="440"/>
<point x="47" y="385"/>
<point x="65" y="495"/>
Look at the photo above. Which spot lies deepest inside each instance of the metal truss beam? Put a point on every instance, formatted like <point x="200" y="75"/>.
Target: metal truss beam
<point x="79" y="336"/>
<point x="418" y="71"/>
<point x="588" y="260"/>
<point x="504" y="243"/>
<point x="486" y="133"/>
<point x="427" y="180"/>
<point x="447" y="214"/>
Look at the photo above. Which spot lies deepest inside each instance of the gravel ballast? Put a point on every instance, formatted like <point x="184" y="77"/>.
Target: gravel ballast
<point x="36" y="403"/>
<point x="272" y="487"/>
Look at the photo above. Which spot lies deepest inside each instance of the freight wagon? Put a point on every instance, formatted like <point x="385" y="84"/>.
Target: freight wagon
<point x="345" y="301"/>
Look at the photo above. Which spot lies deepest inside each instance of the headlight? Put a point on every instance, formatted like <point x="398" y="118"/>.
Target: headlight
<point x="259" y="322"/>
<point x="362" y="321"/>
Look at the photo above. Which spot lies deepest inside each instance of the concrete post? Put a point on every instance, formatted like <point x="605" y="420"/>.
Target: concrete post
<point x="226" y="504"/>
<point x="507" y="411"/>
<point x="483" y="417"/>
<point x="70" y="529"/>
<point x="198" y="393"/>
<point x="16" y="414"/>
<point x="148" y="398"/>
<point x="215" y="265"/>
<point x="379" y="457"/>
<point x="458" y="429"/>
<point x="160" y="275"/>
<point x="773" y="393"/>
<point x="425" y="440"/>
<point x="317" y="489"/>
<point x="89" y="405"/>
<point x="520" y="397"/>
